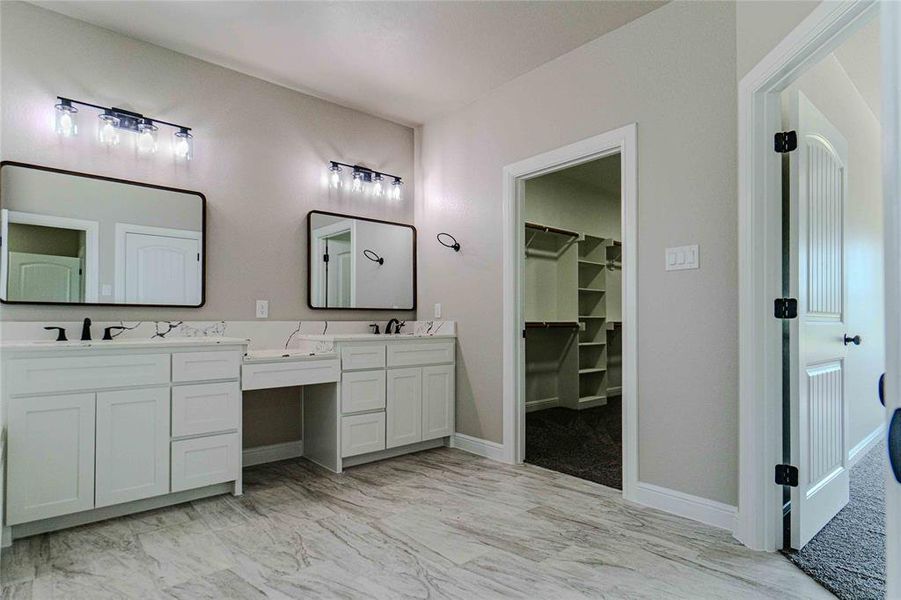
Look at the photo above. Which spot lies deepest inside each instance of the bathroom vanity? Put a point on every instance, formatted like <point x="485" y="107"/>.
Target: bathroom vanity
<point x="106" y="426"/>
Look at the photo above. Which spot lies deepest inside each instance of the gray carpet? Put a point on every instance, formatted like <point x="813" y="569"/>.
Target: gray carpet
<point x="848" y="556"/>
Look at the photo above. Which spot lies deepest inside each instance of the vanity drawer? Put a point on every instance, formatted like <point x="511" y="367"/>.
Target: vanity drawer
<point x="204" y="366"/>
<point x="362" y="390"/>
<point x="288" y="373"/>
<point x="205" y="461"/>
<point x="409" y="354"/>
<point x="205" y="408"/>
<point x="363" y="356"/>
<point x="362" y="433"/>
<point x="71" y="373"/>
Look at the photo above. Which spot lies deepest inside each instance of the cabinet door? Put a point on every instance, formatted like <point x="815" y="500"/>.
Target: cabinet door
<point x="437" y="401"/>
<point x="132" y="445"/>
<point x="51" y="457"/>
<point x="404" y="407"/>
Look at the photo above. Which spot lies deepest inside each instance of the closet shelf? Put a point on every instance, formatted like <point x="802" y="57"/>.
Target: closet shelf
<point x="585" y="399"/>
<point x="592" y="344"/>
<point x="592" y="371"/>
<point x="548" y="324"/>
<point x="553" y="230"/>
<point x="592" y="263"/>
<point x="591" y="290"/>
<point x="591" y="317"/>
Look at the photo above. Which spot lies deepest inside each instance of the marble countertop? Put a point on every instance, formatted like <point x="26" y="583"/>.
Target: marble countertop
<point x="339" y="337"/>
<point x="292" y="355"/>
<point x="175" y="342"/>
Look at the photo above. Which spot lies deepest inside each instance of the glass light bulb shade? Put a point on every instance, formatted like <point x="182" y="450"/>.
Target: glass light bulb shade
<point x="146" y="141"/>
<point x="357" y="185"/>
<point x="65" y="122"/>
<point x="108" y="134"/>
<point x="335" y="179"/>
<point x="183" y="146"/>
<point x="395" y="190"/>
<point x="377" y="187"/>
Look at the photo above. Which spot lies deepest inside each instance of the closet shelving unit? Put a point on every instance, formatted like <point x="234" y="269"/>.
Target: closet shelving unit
<point x="566" y="316"/>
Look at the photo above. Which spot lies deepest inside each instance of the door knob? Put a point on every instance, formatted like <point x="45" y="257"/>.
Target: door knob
<point x="852" y="340"/>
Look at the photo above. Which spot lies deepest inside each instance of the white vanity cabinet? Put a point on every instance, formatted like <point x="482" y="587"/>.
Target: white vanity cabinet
<point x="97" y="425"/>
<point x="396" y="392"/>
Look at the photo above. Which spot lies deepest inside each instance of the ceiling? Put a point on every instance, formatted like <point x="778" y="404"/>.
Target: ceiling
<point x="860" y="57"/>
<point x="405" y="61"/>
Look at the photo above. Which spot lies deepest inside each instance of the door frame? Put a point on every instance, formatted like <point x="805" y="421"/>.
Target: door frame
<point x="91" y="246"/>
<point x="758" y="522"/>
<point x="622" y="141"/>
<point x="318" y="280"/>
<point x="121" y="233"/>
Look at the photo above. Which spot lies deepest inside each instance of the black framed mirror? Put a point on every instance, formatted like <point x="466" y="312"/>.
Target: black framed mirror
<point x="358" y="263"/>
<point x="81" y="239"/>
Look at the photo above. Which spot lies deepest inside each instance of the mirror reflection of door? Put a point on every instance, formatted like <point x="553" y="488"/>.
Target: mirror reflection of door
<point x="47" y="259"/>
<point x="158" y="265"/>
<point x="338" y="270"/>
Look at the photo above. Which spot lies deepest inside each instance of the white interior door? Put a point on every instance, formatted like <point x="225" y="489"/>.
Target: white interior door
<point x="818" y="184"/>
<point x="338" y="271"/>
<point x="891" y="124"/>
<point x="162" y="269"/>
<point x="44" y="278"/>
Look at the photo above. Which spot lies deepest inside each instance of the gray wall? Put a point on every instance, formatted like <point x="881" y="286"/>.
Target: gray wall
<point x="672" y="72"/>
<point x="260" y="155"/>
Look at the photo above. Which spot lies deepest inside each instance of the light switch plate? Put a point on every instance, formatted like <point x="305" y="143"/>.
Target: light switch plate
<point x="262" y="309"/>
<point x="438" y="310"/>
<point x="683" y="257"/>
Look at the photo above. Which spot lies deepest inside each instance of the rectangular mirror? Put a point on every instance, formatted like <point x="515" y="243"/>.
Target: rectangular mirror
<point x="73" y="238"/>
<point x="360" y="263"/>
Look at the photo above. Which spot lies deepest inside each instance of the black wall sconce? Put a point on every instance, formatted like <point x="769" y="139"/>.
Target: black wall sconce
<point x="113" y="119"/>
<point x="373" y="256"/>
<point x="455" y="246"/>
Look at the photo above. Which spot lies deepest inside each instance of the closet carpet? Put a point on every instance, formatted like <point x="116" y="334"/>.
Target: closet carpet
<point x="582" y="443"/>
<point x="848" y="556"/>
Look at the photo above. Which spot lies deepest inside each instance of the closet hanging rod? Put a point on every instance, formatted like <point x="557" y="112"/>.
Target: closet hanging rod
<point x="548" y="229"/>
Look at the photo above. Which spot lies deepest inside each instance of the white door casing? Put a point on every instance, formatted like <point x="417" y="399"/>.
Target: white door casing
<point x="819" y="413"/>
<point x="891" y="126"/>
<point x="318" y="279"/>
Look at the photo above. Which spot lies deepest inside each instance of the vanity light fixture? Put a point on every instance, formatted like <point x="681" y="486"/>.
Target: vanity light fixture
<point x="364" y="179"/>
<point x="113" y="120"/>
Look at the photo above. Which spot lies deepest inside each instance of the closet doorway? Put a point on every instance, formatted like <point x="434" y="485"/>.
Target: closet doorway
<point x="572" y="305"/>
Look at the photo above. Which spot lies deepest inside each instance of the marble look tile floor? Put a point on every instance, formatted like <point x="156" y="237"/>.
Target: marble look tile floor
<point x="438" y="524"/>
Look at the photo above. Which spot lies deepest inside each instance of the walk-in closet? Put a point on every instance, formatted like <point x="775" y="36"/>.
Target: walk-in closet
<point x="573" y="313"/>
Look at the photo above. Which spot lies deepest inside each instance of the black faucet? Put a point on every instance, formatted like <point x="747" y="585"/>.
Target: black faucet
<point x="375" y="328"/>
<point x="60" y="335"/>
<point x="86" y="331"/>
<point x="396" y="323"/>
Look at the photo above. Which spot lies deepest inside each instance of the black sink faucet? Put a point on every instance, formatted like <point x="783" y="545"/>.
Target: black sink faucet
<point x="86" y="331"/>
<point x="394" y="322"/>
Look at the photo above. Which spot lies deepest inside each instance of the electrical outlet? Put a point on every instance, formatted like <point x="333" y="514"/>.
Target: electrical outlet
<point x="262" y="309"/>
<point x="438" y="310"/>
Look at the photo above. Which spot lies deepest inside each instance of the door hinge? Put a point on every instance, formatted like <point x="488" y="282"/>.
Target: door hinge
<point x="787" y="475"/>
<point x="325" y="258"/>
<point x="785" y="141"/>
<point x="198" y="257"/>
<point x="785" y="308"/>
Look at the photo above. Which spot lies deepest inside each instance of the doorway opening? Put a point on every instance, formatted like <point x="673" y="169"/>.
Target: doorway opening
<point x="565" y="246"/>
<point x="834" y="352"/>
<point x="572" y="284"/>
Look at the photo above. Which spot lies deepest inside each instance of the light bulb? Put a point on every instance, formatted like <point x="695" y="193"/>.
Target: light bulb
<point x="65" y="120"/>
<point x="108" y="134"/>
<point x="395" y="189"/>
<point x="357" y="184"/>
<point x="147" y="137"/>
<point x="184" y="144"/>
<point x="335" y="177"/>
<point x="377" y="188"/>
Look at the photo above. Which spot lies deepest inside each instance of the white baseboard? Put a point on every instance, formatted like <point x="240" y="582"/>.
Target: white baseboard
<point x="685" y="505"/>
<point x="541" y="404"/>
<point x="272" y="453"/>
<point x="475" y="445"/>
<point x="865" y="445"/>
